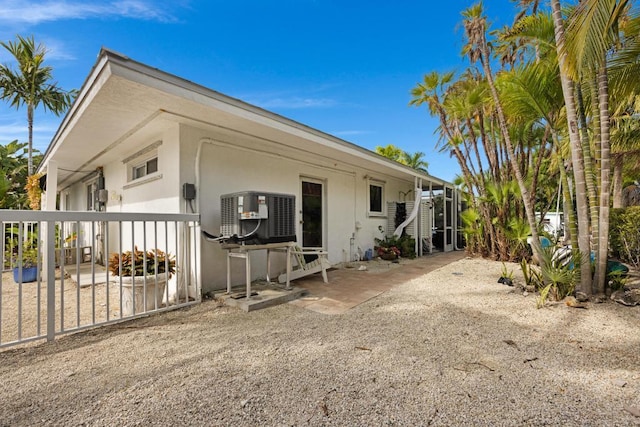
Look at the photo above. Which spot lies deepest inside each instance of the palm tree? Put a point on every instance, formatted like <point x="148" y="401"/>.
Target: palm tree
<point x="584" y="244"/>
<point x="477" y="48"/>
<point x="593" y="32"/>
<point x="414" y="161"/>
<point x="390" y="151"/>
<point x="31" y="84"/>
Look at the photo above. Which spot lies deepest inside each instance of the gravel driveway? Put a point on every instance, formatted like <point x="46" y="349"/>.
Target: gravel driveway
<point x="452" y="347"/>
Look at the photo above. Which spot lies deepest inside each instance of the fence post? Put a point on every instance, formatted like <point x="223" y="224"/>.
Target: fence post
<point x="51" y="279"/>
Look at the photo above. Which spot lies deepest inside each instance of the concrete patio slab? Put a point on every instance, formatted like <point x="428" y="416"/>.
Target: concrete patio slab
<point x="349" y="287"/>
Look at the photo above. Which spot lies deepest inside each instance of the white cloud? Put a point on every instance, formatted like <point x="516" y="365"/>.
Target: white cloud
<point x="36" y="12"/>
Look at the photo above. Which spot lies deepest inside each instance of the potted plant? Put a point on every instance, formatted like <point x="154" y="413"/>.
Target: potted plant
<point x="28" y="262"/>
<point x="387" y="248"/>
<point x="388" y="253"/>
<point x="143" y="276"/>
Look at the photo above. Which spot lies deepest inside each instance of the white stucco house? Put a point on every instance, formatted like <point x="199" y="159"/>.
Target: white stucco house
<point x="136" y="135"/>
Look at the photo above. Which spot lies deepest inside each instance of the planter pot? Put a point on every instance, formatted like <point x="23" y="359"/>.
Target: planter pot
<point x="133" y="289"/>
<point x="390" y="256"/>
<point x="29" y="274"/>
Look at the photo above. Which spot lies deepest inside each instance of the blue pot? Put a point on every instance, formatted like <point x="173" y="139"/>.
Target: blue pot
<point x="29" y="274"/>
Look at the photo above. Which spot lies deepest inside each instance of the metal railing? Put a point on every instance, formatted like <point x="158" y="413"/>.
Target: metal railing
<point x="56" y="277"/>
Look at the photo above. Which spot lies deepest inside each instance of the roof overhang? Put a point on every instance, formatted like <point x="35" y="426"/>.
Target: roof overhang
<point x="124" y="101"/>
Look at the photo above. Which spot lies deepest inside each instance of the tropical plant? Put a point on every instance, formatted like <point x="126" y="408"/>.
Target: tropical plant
<point x="13" y="175"/>
<point x="34" y="192"/>
<point x="31" y="84"/>
<point x="140" y="263"/>
<point x="414" y="161"/>
<point x="625" y="234"/>
<point x="20" y="251"/>
<point x="389" y="151"/>
<point x="394" y="153"/>
<point x="559" y="275"/>
<point x="557" y="118"/>
<point x="400" y="246"/>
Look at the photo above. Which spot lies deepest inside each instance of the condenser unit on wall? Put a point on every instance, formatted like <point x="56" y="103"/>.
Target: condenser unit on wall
<point x="255" y="217"/>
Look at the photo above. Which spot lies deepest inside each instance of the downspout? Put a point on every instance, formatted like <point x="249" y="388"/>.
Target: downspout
<point x="197" y="167"/>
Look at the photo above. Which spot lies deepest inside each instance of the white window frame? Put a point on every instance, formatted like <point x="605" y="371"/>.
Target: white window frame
<point x="143" y="166"/>
<point x="139" y="160"/>
<point x="381" y="185"/>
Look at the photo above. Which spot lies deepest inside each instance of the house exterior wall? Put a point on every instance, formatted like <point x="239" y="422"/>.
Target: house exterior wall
<point x="159" y="192"/>
<point x="220" y="163"/>
<point x="229" y="164"/>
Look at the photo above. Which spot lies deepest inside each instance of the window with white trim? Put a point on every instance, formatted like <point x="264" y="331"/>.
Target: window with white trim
<point x="145" y="168"/>
<point x="143" y="164"/>
<point x="376" y="198"/>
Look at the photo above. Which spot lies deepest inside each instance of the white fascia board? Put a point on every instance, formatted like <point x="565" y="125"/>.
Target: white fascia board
<point x="96" y="79"/>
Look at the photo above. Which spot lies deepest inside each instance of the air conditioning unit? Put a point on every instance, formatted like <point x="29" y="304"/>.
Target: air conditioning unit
<point x="255" y="217"/>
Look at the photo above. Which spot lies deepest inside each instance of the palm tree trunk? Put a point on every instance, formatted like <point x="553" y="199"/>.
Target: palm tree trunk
<point x="30" y="148"/>
<point x="618" y="162"/>
<point x="605" y="181"/>
<point x="576" y="154"/>
<point x="570" y="226"/>
<point x="590" y="171"/>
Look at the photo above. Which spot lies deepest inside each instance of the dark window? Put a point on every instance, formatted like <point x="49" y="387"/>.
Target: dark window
<point x="375" y="198"/>
<point x="148" y="167"/>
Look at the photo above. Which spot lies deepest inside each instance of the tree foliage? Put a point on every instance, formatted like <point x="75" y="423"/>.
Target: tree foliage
<point x="414" y="160"/>
<point x="557" y="124"/>
<point x="31" y="85"/>
<point x="13" y="176"/>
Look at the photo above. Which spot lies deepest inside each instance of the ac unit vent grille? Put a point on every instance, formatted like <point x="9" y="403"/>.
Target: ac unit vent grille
<point x="277" y="224"/>
<point x="229" y="212"/>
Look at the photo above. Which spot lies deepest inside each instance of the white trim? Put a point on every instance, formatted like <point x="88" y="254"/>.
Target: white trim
<point x="145" y="179"/>
<point x="324" y="212"/>
<point x="381" y="184"/>
<point x="149" y="148"/>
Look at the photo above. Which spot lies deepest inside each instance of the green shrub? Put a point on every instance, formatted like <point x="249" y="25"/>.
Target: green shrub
<point x="405" y="244"/>
<point x="624" y="234"/>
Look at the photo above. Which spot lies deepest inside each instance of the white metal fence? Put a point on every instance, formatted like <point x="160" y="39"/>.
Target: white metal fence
<point x="55" y="275"/>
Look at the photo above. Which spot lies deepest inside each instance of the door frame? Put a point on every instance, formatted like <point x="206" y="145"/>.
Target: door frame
<point x="323" y="183"/>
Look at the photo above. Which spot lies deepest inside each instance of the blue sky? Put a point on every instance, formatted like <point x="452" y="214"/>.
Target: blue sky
<point x="345" y="67"/>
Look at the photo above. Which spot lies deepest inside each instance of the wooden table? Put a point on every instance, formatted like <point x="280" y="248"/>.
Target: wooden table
<point x="244" y="252"/>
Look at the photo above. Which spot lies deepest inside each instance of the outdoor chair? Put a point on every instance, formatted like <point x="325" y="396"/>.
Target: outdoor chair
<point x="303" y="267"/>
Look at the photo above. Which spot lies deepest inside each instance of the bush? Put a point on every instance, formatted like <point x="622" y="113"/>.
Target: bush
<point x="134" y="263"/>
<point x="624" y="234"/>
<point x="405" y="245"/>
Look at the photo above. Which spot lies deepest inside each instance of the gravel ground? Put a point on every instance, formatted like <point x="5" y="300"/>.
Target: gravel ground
<point x="452" y="347"/>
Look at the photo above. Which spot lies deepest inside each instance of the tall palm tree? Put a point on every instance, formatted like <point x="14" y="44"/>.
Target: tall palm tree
<point x="584" y="244"/>
<point x="31" y="84"/>
<point x="477" y="48"/>
<point x="593" y="32"/>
